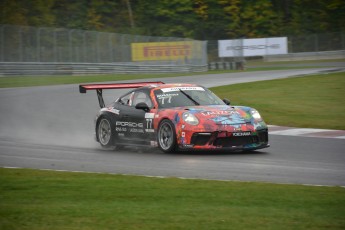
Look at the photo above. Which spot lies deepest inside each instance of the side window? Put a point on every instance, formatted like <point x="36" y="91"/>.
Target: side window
<point x="140" y="96"/>
<point x="127" y="99"/>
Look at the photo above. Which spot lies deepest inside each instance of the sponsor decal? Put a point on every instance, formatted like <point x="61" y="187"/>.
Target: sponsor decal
<point x="167" y="51"/>
<point x="121" y="129"/>
<point x="241" y="134"/>
<point x="219" y="112"/>
<point x="135" y="130"/>
<point x="165" y="90"/>
<point x="183" y="134"/>
<point x="149" y="130"/>
<point x="129" y="124"/>
<point x="111" y="110"/>
<point x="252" y="47"/>
<point x="163" y="50"/>
<point x="166" y="95"/>
<point x="154" y="143"/>
<point x="149" y="115"/>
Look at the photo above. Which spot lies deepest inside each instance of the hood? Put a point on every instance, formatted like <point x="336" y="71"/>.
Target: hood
<point x="222" y="114"/>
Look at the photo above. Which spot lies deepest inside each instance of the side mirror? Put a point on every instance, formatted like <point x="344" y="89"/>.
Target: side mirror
<point x="226" y="101"/>
<point x="143" y="106"/>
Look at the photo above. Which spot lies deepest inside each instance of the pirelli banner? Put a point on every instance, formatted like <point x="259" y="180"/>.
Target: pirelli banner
<point x="157" y="51"/>
<point x="252" y="47"/>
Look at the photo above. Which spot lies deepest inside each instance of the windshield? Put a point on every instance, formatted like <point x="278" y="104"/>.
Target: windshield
<point x="185" y="96"/>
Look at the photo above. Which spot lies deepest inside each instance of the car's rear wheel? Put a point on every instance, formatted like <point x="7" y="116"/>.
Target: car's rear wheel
<point x="105" y="132"/>
<point x="166" y="136"/>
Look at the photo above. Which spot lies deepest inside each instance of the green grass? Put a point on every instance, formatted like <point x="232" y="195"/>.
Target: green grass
<point x="25" y="81"/>
<point x="254" y="65"/>
<point x="261" y="62"/>
<point x="312" y="101"/>
<point x="32" y="199"/>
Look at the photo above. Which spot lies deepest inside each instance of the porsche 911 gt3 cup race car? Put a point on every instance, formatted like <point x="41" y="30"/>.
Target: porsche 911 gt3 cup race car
<point x="175" y="117"/>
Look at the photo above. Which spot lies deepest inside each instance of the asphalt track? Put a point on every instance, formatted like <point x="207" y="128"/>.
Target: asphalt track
<point x="52" y="128"/>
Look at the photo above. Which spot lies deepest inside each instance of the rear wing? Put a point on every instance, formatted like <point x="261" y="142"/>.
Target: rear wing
<point x="99" y="88"/>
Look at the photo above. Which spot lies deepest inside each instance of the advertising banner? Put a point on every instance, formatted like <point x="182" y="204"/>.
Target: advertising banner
<point x="252" y="47"/>
<point x="153" y="51"/>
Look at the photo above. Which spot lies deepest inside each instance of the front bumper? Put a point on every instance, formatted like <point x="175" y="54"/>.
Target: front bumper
<point x="223" y="140"/>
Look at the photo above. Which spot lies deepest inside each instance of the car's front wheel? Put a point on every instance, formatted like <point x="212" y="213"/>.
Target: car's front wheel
<point x="166" y="136"/>
<point x="105" y="132"/>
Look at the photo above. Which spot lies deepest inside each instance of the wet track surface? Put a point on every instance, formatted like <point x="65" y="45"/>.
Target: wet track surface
<point x="52" y="128"/>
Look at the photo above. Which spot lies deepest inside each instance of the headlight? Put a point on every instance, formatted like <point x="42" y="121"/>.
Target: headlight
<point x="190" y="118"/>
<point x="255" y="114"/>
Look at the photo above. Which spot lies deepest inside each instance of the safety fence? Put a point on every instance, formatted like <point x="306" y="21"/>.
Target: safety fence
<point x="322" y="55"/>
<point x="317" y="45"/>
<point x="40" y="50"/>
<point x="64" y="68"/>
<point x="32" y="45"/>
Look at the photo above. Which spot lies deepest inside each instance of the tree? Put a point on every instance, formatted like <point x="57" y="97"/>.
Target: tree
<point x="166" y="17"/>
<point x="251" y="18"/>
<point x="71" y="14"/>
<point x="27" y="13"/>
<point x="197" y="19"/>
<point x="212" y="20"/>
<point x="335" y="15"/>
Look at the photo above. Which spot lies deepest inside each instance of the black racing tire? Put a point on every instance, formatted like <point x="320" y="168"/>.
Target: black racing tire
<point x="105" y="132"/>
<point x="166" y="136"/>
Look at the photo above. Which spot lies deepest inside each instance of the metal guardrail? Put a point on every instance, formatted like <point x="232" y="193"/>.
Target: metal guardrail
<point x="51" y="68"/>
<point x="340" y="54"/>
<point x="238" y="65"/>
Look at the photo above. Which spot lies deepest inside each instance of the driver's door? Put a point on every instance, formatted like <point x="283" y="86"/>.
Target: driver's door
<point x="136" y="121"/>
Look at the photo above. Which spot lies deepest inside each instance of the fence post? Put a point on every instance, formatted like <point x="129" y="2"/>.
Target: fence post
<point x="316" y="42"/>
<point x="2" y="42"/>
<point x="55" y="46"/>
<point x="70" y="49"/>
<point x="38" y="43"/>
<point x="20" y="44"/>
<point x="110" y="48"/>
<point x="97" y="47"/>
<point x="84" y="46"/>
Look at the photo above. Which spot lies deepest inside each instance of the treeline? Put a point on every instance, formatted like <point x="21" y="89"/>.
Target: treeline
<point x="196" y="19"/>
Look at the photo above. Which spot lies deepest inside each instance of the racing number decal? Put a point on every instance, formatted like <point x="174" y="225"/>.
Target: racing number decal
<point x="149" y="122"/>
<point x="166" y="97"/>
<point x="163" y="100"/>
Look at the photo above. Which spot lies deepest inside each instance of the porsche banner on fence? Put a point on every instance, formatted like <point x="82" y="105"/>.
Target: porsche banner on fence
<point x="153" y="51"/>
<point x="252" y="47"/>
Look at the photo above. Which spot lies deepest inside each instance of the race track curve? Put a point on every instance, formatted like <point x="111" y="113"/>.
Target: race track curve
<point x="52" y="128"/>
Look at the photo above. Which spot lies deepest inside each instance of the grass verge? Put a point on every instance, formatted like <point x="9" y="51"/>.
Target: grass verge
<point x="32" y="199"/>
<point x="253" y="65"/>
<point x="312" y="101"/>
<point x="25" y="81"/>
<point x="315" y="63"/>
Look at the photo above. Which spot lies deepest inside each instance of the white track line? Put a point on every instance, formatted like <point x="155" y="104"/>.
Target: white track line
<point x="308" y="132"/>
